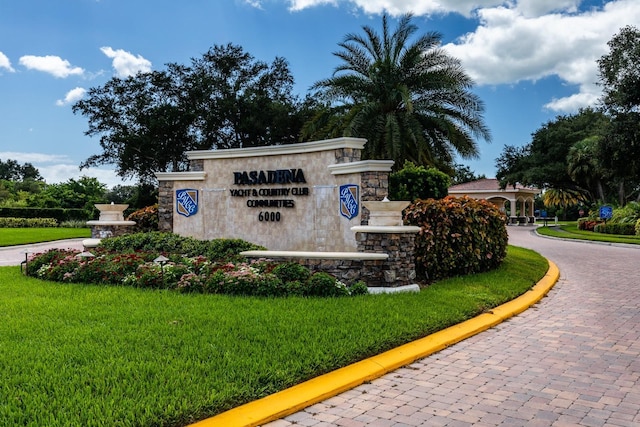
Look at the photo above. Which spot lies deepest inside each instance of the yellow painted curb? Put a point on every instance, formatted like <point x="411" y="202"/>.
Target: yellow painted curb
<point x="298" y="397"/>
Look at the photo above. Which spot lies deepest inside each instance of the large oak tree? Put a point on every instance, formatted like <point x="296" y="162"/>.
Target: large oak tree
<point x="225" y="99"/>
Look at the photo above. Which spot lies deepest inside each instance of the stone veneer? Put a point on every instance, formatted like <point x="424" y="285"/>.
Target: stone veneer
<point x="397" y="270"/>
<point x="312" y="224"/>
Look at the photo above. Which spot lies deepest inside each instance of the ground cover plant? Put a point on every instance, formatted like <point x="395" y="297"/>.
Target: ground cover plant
<point x="98" y="355"/>
<point x="23" y="236"/>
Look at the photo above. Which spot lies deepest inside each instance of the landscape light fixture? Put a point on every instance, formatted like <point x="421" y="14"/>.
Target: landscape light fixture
<point x="161" y="260"/>
<point x="26" y="253"/>
<point x="85" y="255"/>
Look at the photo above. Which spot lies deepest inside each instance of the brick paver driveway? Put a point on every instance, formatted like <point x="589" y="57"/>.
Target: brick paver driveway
<point x="571" y="360"/>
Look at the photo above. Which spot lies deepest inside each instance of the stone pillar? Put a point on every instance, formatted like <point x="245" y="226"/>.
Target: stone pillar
<point x="374" y="186"/>
<point x="165" y="206"/>
<point x="399" y="269"/>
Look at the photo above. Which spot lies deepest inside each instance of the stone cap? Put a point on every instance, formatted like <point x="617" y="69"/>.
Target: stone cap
<point x="365" y="256"/>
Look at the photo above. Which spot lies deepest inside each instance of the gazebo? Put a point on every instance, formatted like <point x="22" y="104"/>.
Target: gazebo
<point x="520" y="198"/>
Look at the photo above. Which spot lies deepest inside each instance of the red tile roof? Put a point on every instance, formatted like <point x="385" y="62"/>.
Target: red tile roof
<point x="487" y="184"/>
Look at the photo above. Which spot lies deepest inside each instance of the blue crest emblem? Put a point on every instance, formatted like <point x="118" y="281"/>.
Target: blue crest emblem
<point x="187" y="201"/>
<point x="349" y="200"/>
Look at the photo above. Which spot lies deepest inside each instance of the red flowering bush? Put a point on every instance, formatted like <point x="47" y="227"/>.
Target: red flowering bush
<point x="458" y="236"/>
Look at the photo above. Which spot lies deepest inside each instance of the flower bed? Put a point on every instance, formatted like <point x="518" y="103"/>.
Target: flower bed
<point x="187" y="274"/>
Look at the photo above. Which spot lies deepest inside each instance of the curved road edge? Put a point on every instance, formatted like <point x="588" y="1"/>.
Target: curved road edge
<point x="293" y="399"/>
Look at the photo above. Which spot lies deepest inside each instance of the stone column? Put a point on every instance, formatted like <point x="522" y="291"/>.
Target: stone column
<point x="399" y="243"/>
<point x="165" y="206"/>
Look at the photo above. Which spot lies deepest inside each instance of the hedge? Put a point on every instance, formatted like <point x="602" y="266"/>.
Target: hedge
<point x="59" y="214"/>
<point x="27" y="222"/>
<point x="458" y="236"/>
<point x="624" y="229"/>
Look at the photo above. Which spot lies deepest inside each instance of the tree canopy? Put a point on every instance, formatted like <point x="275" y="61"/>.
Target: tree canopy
<point x="225" y="99"/>
<point x="543" y="161"/>
<point x="409" y="99"/>
<point x="11" y="170"/>
<point x="619" y="72"/>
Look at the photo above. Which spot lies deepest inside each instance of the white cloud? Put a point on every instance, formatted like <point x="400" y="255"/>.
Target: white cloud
<point x="56" y="168"/>
<point x="33" y="157"/>
<point x="533" y="8"/>
<point x="574" y="102"/>
<point x="5" y="63"/>
<point x="125" y="63"/>
<point x="54" y="65"/>
<point x="63" y="172"/>
<point x="72" y="96"/>
<point x="509" y="47"/>
<point x="254" y="3"/>
<point x="467" y="8"/>
<point x="398" y="7"/>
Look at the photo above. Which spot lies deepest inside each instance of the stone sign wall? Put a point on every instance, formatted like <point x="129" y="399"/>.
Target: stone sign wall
<point x="297" y="197"/>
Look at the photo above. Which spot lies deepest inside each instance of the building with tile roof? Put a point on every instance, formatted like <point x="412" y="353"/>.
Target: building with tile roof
<point x="520" y="208"/>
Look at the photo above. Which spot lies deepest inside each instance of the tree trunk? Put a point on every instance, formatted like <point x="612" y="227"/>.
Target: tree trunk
<point x="621" y="198"/>
<point x="600" y="191"/>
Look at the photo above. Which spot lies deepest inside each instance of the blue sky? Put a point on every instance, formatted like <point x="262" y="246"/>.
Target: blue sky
<point x="531" y="59"/>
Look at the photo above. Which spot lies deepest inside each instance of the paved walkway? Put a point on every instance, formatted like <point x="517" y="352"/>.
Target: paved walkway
<point x="572" y="360"/>
<point x="14" y="255"/>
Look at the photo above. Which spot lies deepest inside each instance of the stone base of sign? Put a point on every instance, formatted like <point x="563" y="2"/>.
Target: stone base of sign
<point x="385" y="258"/>
<point x="103" y="229"/>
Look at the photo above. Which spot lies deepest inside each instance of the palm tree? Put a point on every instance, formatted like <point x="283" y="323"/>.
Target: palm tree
<point x="584" y="167"/>
<point x="410" y="101"/>
<point x="562" y="198"/>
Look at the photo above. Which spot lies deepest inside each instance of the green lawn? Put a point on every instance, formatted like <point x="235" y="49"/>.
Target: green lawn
<point x="88" y="355"/>
<point x="569" y="230"/>
<point x="23" y="236"/>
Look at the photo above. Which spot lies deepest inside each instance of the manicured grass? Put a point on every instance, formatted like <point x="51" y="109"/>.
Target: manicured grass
<point x="570" y="230"/>
<point x="23" y="236"/>
<point x="89" y="355"/>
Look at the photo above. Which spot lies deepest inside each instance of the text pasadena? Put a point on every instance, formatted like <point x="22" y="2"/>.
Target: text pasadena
<point x="279" y="176"/>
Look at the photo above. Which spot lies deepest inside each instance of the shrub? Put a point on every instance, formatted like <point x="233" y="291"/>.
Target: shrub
<point x="628" y="214"/>
<point x="638" y="228"/>
<point x="59" y="214"/>
<point x="146" y="218"/>
<point x="358" y="288"/>
<point x="588" y="224"/>
<point x="28" y="222"/>
<point x="322" y="284"/>
<point x="73" y="223"/>
<point x="292" y="272"/>
<point x="417" y="182"/>
<point x="458" y="236"/>
<point x="626" y="229"/>
<point x="161" y="242"/>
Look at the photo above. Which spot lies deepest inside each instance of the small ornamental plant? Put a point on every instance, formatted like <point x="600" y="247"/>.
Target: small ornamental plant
<point x="189" y="274"/>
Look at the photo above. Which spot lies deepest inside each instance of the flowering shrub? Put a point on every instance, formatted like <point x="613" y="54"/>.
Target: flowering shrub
<point x="187" y="274"/>
<point x="588" y="224"/>
<point x="146" y="218"/>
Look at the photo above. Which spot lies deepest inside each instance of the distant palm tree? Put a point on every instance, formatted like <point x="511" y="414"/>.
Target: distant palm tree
<point x="584" y="167"/>
<point x="562" y="198"/>
<point x="410" y="101"/>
